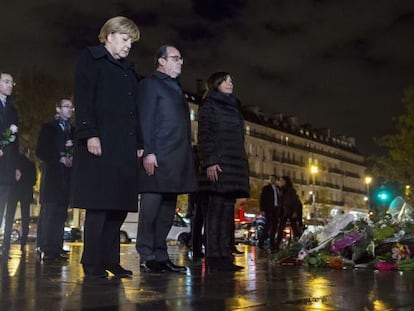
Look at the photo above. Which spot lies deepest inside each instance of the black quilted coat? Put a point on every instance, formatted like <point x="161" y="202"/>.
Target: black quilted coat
<point x="221" y="141"/>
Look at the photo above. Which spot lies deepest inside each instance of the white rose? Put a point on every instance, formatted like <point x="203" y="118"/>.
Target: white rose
<point x="69" y="143"/>
<point x="13" y="128"/>
<point x="302" y="254"/>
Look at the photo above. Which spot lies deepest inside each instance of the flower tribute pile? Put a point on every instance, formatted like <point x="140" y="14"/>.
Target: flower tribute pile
<point x="383" y="244"/>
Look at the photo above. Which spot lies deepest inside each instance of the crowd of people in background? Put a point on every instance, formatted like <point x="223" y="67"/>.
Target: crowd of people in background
<point x="132" y="135"/>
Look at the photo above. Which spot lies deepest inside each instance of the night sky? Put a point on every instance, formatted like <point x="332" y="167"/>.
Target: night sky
<point x="337" y="64"/>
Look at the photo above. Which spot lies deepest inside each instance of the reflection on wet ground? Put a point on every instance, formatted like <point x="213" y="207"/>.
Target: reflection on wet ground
<point x="29" y="285"/>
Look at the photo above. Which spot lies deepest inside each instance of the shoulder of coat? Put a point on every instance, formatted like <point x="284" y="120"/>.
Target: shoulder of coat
<point x="98" y="51"/>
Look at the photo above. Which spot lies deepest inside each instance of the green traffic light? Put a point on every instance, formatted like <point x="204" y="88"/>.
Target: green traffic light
<point x="383" y="196"/>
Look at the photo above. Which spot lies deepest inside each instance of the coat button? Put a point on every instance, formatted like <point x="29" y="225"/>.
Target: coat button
<point x="126" y="75"/>
<point x="131" y="133"/>
<point x="131" y="113"/>
<point x="129" y="93"/>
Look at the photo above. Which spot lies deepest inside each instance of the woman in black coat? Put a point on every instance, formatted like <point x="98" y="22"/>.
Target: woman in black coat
<point x="291" y="209"/>
<point x="224" y="164"/>
<point x="107" y="145"/>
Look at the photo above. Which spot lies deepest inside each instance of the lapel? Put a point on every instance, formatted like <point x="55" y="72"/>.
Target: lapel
<point x="3" y="117"/>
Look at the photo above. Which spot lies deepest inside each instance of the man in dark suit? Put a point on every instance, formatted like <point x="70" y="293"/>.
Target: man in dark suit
<point x="168" y="165"/>
<point x="54" y="149"/>
<point x="9" y="149"/>
<point x="269" y="205"/>
<point x="21" y="191"/>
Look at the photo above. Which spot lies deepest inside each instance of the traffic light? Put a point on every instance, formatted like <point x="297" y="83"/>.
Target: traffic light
<point x="383" y="195"/>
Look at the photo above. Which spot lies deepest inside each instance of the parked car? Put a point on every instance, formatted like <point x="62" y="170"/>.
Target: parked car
<point x="180" y="230"/>
<point x="70" y="234"/>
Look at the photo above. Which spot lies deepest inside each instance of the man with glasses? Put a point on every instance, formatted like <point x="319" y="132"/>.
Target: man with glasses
<point x="9" y="149"/>
<point x="54" y="149"/>
<point x="168" y="165"/>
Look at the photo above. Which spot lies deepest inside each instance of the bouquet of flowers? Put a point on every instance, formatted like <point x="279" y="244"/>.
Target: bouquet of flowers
<point x="8" y="136"/>
<point x="68" y="152"/>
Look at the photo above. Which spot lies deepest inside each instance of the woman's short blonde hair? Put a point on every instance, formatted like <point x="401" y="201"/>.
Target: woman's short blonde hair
<point x="119" y="24"/>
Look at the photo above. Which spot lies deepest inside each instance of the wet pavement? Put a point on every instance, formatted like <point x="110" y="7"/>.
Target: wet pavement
<point x="27" y="284"/>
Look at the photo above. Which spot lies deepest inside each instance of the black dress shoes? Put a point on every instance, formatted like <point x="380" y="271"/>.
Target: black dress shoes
<point x="221" y="264"/>
<point x="119" y="271"/>
<point x="151" y="266"/>
<point x="167" y="265"/>
<point x="54" y="258"/>
<point x="94" y="272"/>
<point x="96" y="275"/>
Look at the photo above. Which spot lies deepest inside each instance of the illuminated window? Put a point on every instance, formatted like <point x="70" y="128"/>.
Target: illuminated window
<point x="247" y="130"/>
<point x="192" y="115"/>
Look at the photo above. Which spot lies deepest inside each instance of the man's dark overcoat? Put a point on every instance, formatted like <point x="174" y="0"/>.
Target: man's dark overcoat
<point x="221" y="141"/>
<point x="55" y="181"/>
<point x="9" y="160"/>
<point x="106" y="107"/>
<point x="166" y="129"/>
<point x="267" y="199"/>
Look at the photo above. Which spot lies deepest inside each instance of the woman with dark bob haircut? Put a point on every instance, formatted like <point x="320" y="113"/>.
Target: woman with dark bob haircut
<point x="224" y="173"/>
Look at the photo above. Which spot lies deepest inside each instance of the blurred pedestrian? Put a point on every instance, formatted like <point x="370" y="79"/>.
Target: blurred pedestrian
<point x="107" y="146"/>
<point x="269" y="205"/>
<point x="54" y="149"/>
<point x="290" y="209"/>
<point x="168" y="164"/>
<point x="225" y="174"/>
<point x="9" y="148"/>
<point x="21" y="192"/>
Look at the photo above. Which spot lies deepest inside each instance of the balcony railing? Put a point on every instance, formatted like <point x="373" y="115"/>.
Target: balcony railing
<point x="291" y="161"/>
<point x="352" y="190"/>
<point x="335" y="170"/>
<point x="272" y="139"/>
<point x="354" y="175"/>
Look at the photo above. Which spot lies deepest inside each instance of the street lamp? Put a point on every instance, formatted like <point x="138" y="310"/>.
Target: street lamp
<point x="314" y="170"/>
<point x="368" y="181"/>
<point x="407" y="192"/>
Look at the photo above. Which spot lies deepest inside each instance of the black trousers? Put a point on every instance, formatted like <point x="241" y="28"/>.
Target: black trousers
<point x="50" y="228"/>
<point x="25" y="199"/>
<point x="270" y="228"/>
<point x="101" y="244"/>
<point x="155" y="218"/>
<point x="219" y="225"/>
<point x="4" y="195"/>
<point x="198" y="222"/>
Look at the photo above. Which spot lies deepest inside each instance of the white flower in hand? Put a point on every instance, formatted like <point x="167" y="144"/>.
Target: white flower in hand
<point x="13" y="128"/>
